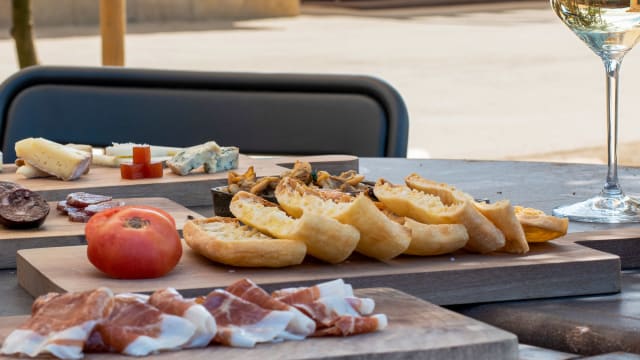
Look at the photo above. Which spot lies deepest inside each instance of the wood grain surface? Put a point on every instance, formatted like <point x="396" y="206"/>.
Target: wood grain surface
<point x="623" y="242"/>
<point x="190" y="190"/>
<point x="57" y="230"/>
<point x="417" y="330"/>
<point x="549" y="270"/>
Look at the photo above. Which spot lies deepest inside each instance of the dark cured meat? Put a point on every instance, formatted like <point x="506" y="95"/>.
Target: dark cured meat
<point x="91" y="204"/>
<point x="83" y="199"/>
<point x="77" y="215"/>
<point x="22" y="209"/>
<point x="6" y="186"/>
<point x="96" y="208"/>
<point x="62" y="207"/>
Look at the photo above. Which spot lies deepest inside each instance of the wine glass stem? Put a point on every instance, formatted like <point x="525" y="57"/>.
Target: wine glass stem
<point x="612" y="187"/>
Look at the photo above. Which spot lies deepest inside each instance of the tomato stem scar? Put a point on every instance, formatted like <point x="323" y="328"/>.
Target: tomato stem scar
<point x="136" y="222"/>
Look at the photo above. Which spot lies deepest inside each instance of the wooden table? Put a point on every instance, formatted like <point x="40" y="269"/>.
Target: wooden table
<point x="540" y="185"/>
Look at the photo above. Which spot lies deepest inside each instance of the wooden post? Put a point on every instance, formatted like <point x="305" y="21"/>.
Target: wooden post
<point x="113" y="23"/>
<point x="22" y="32"/>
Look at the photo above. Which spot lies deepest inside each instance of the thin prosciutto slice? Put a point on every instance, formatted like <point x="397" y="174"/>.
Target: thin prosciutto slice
<point x="350" y="325"/>
<point x="305" y="295"/>
<point x="242" y="323"/>
<point x="300" y="325"/>
<point x="334" y="308"/>
<point x="136" y="328"/>
<point x="169" y="301"/>
<point x="60" y="324"/>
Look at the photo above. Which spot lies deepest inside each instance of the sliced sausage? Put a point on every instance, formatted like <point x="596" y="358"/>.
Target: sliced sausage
<point x="83" y="199"/>
<point x="22" y="209"/>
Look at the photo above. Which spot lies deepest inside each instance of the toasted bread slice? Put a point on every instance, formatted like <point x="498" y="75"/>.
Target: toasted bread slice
<point x="503" y="216"/>
<point x="294" y="197"/>
<point x="380" y="237"/>
<point x="429" y="239"/>
<point x="226" y="241"/>
<point x="540" y="227"/>
<point x="326" y="238"/>
<point x="435" y="239"/>
<point x="501" y="213"/>
<point x="443" y="206"/>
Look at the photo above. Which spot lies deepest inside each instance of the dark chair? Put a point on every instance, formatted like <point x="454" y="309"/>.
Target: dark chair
<point x="260" y="113"/>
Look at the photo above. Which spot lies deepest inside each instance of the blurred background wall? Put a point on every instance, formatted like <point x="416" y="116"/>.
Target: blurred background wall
<point x="85" y="12"/>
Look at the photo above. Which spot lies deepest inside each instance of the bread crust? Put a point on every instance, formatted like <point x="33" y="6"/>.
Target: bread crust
<point x="503" y="216"/>
<point x="326" y="238"/>
<point x="540" y="227"/>
<point x="484" y="236"/>
<point x="435" y="239"/>
<point x="249" y="249"/>
<point x="380" y="237"/>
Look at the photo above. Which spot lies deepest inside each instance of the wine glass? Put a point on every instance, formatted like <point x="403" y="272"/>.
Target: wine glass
<point x="610" y="28"/>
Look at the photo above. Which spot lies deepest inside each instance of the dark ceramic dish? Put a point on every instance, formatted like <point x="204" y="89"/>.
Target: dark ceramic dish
<point x="222" y="198"/>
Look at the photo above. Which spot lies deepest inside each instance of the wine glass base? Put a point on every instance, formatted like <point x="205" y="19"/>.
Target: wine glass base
<point x="601" y="209"/>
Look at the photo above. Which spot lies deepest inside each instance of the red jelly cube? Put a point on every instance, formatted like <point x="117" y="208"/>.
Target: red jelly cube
<point x="153" y="170"/>
<point x="132" y="171"/>
<point x="142" y="154"/>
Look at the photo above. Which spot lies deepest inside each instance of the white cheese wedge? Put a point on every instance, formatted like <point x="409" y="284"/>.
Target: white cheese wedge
<point x="126" y="149"/>
<point x="56" y="159"/>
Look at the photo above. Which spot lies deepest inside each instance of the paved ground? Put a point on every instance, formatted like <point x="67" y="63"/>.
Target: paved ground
<point x="486" y="81"/>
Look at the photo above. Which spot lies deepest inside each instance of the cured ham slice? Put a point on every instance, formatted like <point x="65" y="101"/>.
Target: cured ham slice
<point x="350" y="325"/>
<point x="300" y="325"/>
<point x="242" y="323"/>
<point x="169" y="301"/>
<point x="60" y="324"/>
<point x="325" y="311"/>
<point x="305" y="295"/>
<point x="334" y="308"/>
<point x="136" y="328"/>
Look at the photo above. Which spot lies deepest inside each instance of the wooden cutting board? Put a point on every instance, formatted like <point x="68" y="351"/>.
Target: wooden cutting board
<point x="624" y="242"/>
<point x="57" y="230"/>
<point x="417" y="330"/>
<point x="549" y="270"/>
<point x="190" y="190"/>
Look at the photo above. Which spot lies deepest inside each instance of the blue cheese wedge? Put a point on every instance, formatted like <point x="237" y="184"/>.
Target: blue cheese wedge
<point x="226" y="159"/>
<point x="61" y="161"/>
<point x="193" y="157"/>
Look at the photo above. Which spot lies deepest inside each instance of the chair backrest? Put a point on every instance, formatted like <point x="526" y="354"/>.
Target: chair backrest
<point x="260" y="113"/>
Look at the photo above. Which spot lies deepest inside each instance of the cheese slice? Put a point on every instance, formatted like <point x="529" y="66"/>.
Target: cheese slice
<point x="193" y="157"/>
<point x="56" y="159"/>
<point x="226" y="159"/>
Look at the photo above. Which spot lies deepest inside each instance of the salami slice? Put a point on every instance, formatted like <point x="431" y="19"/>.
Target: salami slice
<point x="22" y="209"/>
<point x="77" y="215"/>
<point x="83" y="199"/>
<point x="6" y="186"/>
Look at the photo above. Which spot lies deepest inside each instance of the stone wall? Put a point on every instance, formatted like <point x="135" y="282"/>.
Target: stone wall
<point x="86" y="12"/>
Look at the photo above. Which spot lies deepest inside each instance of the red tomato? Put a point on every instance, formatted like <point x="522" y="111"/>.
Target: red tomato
<point x="133" y="242"/>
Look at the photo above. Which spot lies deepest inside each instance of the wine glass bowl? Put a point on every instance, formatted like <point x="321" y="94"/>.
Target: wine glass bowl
<point x="611" y="28"/>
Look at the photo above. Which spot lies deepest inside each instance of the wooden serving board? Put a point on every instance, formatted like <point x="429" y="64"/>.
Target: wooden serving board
<point x="190" y="190"/>
<point x="57" y="230"/>
<point x="549" y="270"/>
<point x="416" y="330"/>
<point x="624" y="242"/>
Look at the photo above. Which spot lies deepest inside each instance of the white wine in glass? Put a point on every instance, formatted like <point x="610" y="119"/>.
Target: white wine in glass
<point x="610" y="28"/>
